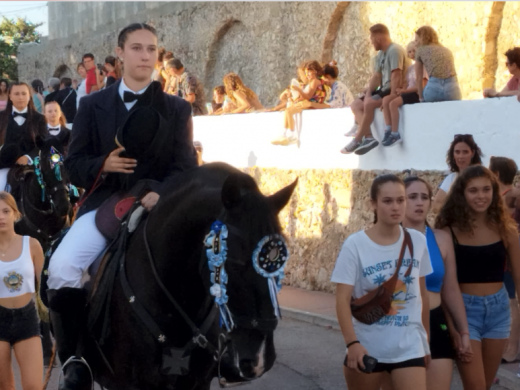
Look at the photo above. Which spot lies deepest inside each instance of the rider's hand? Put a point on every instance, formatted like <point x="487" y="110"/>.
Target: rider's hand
<point x="150" y="200"/>
<point x="22" y="160"/>
<point x="114" y="163"/>
<point x="355" y="355"/>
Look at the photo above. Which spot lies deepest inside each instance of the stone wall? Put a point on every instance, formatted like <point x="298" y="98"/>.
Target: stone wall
<point x="265" y="42"/>
<point x="327" y="206"/>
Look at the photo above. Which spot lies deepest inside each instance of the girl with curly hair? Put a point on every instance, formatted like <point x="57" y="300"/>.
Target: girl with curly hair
<point x="462" y="153"/>
<point x="440" y="66"/>
<point x="242" y="97"/>
<point x="485" y="236"/>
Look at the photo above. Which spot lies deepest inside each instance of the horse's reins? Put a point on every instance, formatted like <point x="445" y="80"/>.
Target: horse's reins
<point x="25" y="217"/>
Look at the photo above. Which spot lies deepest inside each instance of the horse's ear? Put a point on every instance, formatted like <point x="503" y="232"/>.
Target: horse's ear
<point x="231" y="192"/>
<point x="282" y="197"/>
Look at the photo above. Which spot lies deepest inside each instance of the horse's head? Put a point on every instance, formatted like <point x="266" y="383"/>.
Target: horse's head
<point x="51" y="167"/>
<point x="256" y="254"/>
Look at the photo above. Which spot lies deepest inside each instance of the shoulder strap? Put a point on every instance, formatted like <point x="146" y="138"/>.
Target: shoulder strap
<point x="407" y="242"/>
<point x="453" y="236"/>
<point x="67" y="96"/>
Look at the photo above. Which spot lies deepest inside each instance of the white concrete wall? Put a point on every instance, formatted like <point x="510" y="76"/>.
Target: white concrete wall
<point x="243" y="140"/>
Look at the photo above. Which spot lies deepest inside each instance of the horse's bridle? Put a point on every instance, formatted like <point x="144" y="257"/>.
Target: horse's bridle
<point x="198" y="333"/>
<point x="25" y="218"/>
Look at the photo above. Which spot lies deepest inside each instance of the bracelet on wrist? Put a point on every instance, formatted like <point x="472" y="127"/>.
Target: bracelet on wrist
<point x="352" y="343"/>
<point x="461" y="333"/>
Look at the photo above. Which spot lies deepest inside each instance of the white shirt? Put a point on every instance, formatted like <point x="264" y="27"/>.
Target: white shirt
<point x="53" y="132"/>
<point x="400" y="335"/>
<point x="20" y="119"/>
<point x="82" y="91"/>
<point x="448" y="181"/>
<point x="123" y="87"/>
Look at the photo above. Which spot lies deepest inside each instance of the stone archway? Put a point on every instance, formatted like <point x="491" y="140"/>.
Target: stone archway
<point x="61" y="71"/>
<point x="214" y="48"/>
<point x="332" y="30"/>
<point x="491" y="52"/>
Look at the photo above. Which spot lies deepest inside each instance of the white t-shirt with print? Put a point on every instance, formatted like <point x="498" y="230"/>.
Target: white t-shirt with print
<point x="400" y="335"/>
<point x="448" y="181"/>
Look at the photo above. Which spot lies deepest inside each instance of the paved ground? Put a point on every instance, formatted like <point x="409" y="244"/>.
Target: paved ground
<point x="309" y="358"/>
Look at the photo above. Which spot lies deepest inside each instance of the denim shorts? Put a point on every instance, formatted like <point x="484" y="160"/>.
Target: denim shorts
<point x="442" y="90"/>
<point x="488" y="316"/>
<point x="19" y="324"/>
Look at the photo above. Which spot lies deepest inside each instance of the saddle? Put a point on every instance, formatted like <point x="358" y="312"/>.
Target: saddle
<point x="111" y="213"/>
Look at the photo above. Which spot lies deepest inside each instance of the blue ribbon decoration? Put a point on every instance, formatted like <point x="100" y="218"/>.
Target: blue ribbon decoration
<point x="216" y="252"/>
<point x="272" y="268"/>
<point x="39" y="176"/>
<point x="74" y="190"/>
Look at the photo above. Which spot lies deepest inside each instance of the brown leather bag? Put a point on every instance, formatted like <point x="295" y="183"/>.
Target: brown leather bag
<point x="376" y="304"/>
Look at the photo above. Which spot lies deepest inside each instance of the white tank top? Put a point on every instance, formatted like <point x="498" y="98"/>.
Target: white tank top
<point x="17" y="276"/>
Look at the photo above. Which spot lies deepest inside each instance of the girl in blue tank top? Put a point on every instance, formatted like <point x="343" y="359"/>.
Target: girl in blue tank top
<point x="443" y="280"/>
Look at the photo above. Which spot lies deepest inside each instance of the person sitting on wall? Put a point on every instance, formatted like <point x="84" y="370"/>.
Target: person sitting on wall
<point x="190" y="88"/>
<point x="340" y="95"/>
<point x="314" y="92"/>
<point x="288" y="96"/>
<point x="242" y="97"/>
<point x="219" y="96"/>
<point x="391" y="64"/>
<point x="170" y="85"/>
<point x="391" y="103"/>
<point x="512" y="87"/>
<point x="438" y="60"/>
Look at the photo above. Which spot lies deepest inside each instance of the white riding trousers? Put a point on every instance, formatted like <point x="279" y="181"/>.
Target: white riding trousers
<point x="3" y="178"/>
<point x="80" y="247"/>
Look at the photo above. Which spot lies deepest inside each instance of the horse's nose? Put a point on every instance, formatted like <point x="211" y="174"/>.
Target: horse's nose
<point x="251" y="369"/>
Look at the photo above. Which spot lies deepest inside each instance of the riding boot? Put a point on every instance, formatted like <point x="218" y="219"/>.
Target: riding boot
<point x="67" y="308"/>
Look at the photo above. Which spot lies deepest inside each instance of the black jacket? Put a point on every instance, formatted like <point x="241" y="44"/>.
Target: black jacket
<point x="66" y="98"/>
<point x="20" y="140"/>
<point x="93" y="139"/>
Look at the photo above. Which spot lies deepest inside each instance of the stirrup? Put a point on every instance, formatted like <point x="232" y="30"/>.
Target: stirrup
<point x="74" y="359"/>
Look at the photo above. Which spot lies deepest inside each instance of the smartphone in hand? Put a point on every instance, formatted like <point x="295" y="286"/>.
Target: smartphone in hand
<point x="370" y="363"/>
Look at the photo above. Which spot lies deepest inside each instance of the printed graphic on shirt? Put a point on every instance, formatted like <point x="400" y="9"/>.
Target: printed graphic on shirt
<point x="13" y="281"/>
<point x="404" y="288"/>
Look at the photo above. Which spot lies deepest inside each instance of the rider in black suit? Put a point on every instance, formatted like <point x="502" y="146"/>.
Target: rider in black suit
<point x="93" y="152"/>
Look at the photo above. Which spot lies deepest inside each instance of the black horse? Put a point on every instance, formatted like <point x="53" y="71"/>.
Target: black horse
<point x="42" y="194"/>
<point x="166" y="273"/>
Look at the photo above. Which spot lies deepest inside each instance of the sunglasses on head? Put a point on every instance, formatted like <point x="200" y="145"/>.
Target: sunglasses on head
<point x="463" y="135"/>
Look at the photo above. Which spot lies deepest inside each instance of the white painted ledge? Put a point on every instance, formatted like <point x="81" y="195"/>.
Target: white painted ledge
<point x="243" y="140"/>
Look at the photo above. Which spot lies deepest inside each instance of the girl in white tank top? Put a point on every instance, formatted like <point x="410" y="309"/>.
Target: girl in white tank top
<point x="21" y="262"/>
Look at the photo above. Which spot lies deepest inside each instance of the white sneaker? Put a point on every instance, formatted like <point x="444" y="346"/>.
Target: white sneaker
<point x="353" y="131"/>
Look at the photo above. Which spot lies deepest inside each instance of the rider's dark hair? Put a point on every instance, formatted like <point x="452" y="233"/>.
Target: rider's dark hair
<point x="32" y="114"/>
<point x="378" y="182"/>
<point x="123" y="35"/>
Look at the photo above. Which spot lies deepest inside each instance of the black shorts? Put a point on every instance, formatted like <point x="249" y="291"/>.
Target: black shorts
<point x="389" y="367"/>
<point x="19" y="324"/>
<point x="410" y="98"/>
<point x="379" y="93"/>
<point x="441" y="346"/>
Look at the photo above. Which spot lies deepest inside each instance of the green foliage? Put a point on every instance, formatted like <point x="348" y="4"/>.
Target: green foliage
<point x="12" y="34"/>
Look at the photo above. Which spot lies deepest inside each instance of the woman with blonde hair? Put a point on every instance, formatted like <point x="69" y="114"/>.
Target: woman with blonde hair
<point x="21" y="262"/>
<point x="241" y="96"/>
<point x="440" y="66"/>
